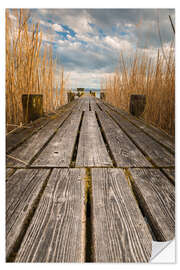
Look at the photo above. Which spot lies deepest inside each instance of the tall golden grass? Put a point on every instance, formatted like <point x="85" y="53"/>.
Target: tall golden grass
<point x="28" y="69"/>
<point x="154" y="78"/>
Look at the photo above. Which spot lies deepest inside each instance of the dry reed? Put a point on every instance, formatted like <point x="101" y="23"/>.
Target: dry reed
<point x="28" y="69"/>
<point x="144" y="75"/>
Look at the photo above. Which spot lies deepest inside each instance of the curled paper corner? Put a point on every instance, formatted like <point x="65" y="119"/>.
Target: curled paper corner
<point x="163" y="252"/>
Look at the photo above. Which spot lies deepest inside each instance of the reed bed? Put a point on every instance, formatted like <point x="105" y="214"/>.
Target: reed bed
<point x="153" y="77"/>
<point x="29" y="69"/>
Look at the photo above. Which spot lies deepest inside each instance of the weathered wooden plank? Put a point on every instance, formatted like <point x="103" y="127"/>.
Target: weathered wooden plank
<point x="170" y="173"/>
<point x="150" y="130"/>
<point x="21" y="134"/>
<point x="32" y="146"/>
<point x="159" y="155"/>
<point x="91" y="149"/>
<point x="124" y="151"/>
<point x="9" y="172"/>
<point x="78" y="104"/>
<point x="22" y="190"/>
<point x="57" y="230"/>
<point x="157" y="198"/>
<point x="84" y="104"/>
<point x="103" y="107"/>
<point x="93" y="104"/>
<point x="59" y="151"/>
<point x="120" y="233"/>
<point x="17" y="137"/>
<point x="66" y="107"/>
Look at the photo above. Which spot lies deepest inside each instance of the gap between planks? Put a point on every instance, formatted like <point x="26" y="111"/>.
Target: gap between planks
<point x="57" y="230"/>
<point x="158" y="155"/>
<point x="99" y="180"/>
<point x="156" y="134"/>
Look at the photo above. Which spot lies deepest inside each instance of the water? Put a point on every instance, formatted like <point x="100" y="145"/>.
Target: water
<point x="97" y="91"/>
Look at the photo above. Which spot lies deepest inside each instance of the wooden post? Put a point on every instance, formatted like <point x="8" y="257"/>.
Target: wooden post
<point x="70" y="96"/>
<point x="102" y="95"/>
<point x="137" y="104"/>
<point x="32" y="106"/>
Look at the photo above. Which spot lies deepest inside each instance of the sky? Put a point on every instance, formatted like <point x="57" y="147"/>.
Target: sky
<point x="88" y="42"/>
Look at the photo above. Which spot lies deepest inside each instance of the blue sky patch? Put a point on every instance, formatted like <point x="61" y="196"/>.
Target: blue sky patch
<point x="63" y="35"/>
<point x="123" y="33"/>
<point x="67" y="28"/>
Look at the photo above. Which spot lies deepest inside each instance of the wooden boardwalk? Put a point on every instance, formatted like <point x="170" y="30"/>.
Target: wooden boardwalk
<point x="90" y="183"/>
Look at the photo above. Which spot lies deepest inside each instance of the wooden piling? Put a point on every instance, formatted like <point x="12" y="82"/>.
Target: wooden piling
<point x="102" y="96"/>
<point x="32" y="106"/>
<point x="137" y="104"/>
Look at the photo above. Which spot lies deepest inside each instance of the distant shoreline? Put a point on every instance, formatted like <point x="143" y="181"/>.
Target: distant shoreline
<point x="88" y="90"/>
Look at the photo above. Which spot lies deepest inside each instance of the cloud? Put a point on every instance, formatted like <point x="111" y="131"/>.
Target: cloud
<point x="48" y="37"/>
<point x="44" y="23"/>
<point x="88" y="42"/>
<point x="79" y="24"/>
<point x="57" y="27"/>
<point x="90" y="77"/>
<point x="118" y="43"/>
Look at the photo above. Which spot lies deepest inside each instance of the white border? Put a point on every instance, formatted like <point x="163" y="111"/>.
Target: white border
<point x="77" y="4"/>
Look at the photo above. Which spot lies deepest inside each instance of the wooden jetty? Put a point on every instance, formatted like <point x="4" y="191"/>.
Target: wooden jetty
<point x="89" y="183"/>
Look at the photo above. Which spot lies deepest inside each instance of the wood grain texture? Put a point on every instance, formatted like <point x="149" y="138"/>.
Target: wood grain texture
<point x="91" y="149"/>
<point x="64" y="108"/>
<point x="9" y="172"/>
<point x="57" y="230"/>
<point x="84" y="104"/>
<point x="156" y="133"/>
<point x="93" y="104"/>
<point x="120" y="233"/>
<point x="170" y="173"/>
<point x="32" y="146"/>
<point x="101" y="105"/>
<point x="78" y="105"/>
<point x="158" y="154"/>
<point x="22" y="189"/>
<point x="59" y="151"/>
<point x="21" y="134"/>
<point x="124" y="151"/>
<point x="56" y="233"/>
<point x="157" y="198"/>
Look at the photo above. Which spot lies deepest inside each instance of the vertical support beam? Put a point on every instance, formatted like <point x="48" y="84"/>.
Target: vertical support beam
<point x="32" y="106"/>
